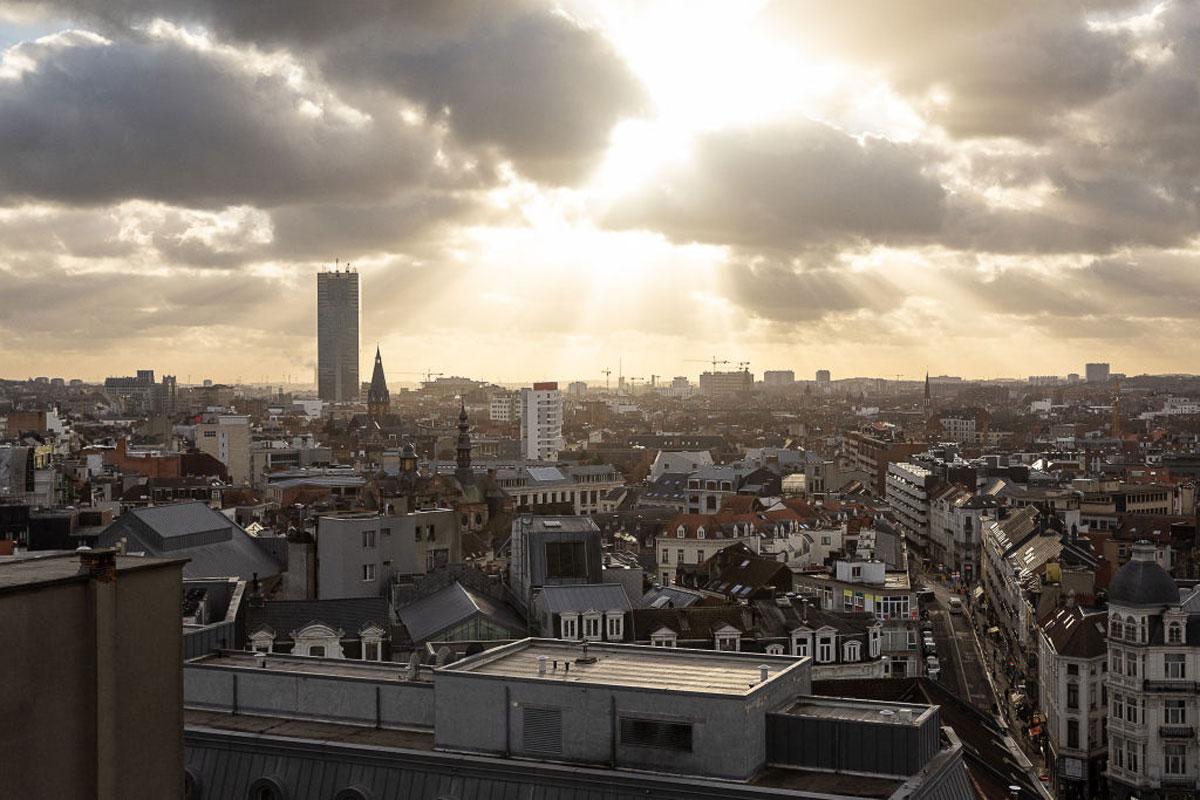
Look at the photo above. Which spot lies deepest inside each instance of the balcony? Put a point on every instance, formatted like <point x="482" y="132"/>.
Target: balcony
<point x="1176" y="731"/>
<point x="1170" y="686"/>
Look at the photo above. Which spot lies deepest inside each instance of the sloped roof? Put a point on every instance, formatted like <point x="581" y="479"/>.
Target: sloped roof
<point x="215" y="546"/>
<point x="452" y="605"/>
<point x="586" y="597"/>
<point x="349" y="615"/>
<point x="695" y="622"/>
<point x="1076" y="633"/>
<point x="676" y="596"/>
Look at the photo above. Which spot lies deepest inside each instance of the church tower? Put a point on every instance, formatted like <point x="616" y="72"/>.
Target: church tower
<point x="379" y="400"/>
<point x="464" y="442"/>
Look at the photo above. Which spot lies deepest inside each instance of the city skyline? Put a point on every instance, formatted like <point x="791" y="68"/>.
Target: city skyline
<point x="765" y="181"/>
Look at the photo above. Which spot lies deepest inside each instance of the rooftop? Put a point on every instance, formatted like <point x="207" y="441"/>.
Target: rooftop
<point x="47" y="567"/>
<point x="303" y="665"/>
<point x="640" y="667"/>
<point x="874" y="712"/>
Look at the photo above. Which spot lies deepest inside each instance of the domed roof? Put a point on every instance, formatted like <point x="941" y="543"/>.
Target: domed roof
<point x="1142" y="582"/>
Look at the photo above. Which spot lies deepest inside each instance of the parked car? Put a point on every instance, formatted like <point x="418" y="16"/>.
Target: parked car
<point x="956" y="605"/>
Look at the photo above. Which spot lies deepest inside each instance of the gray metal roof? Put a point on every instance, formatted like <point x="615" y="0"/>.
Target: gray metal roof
<point x="678" y="598"/>
<point x="217" y="547"/>
<point x="450" y="606"/>
<point x="586" y="597"/>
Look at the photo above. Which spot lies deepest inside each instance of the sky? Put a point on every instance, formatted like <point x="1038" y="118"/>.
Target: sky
<point x="541" y="191"/>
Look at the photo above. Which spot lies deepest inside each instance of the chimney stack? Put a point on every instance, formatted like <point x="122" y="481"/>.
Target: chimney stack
<point x="100" y="564"/>
<point x="764" y="672"/>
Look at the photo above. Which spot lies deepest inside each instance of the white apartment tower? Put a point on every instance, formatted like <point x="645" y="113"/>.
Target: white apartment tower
<point x="541" y="422"/>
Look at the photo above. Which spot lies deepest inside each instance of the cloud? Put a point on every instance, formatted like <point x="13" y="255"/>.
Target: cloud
<point x="519" y="78"/>
<point x="96" y="122"/>
<point x="790" y="186"/>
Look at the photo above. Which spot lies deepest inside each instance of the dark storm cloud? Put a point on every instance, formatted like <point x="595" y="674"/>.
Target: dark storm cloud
<point x="518" y="78"/>
<point x="95" y="123"/>
<point x="790" y="186"/>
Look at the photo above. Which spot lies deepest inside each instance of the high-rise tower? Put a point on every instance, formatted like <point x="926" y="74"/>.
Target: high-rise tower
<point x="379" y="399"/>
<point x="337" y="336"/>
<point x="464" y="441"/>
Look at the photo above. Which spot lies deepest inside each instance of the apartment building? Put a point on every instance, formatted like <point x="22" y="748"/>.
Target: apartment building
<point x="541" y="410"/>
<point x="226" y="437"/>
<point x="908" y="491"/>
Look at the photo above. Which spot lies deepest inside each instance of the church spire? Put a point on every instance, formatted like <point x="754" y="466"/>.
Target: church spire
<point x="464" y="440"/>
<point x="379" y="400"/>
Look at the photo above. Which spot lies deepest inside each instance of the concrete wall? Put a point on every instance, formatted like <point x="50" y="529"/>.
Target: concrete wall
<point x="341" y="556"/>
<point x="478" y="713"/>
<point x="82" y="657"/>
<point x="305" y="696"/>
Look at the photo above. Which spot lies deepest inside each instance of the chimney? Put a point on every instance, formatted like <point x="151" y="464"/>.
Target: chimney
<point x="541" y="666"/>
<point x="100" y="564"/>
<point x="764" y="672"/>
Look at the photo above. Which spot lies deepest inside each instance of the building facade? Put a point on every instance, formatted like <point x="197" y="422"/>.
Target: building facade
<point x="541" y="422"/>
<point x="337" y="336"/>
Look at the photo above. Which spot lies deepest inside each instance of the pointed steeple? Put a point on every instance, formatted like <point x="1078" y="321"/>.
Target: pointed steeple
<point x="379" y="400"/>
<point x="926" y="385"/>
<point x="464" y="440"/>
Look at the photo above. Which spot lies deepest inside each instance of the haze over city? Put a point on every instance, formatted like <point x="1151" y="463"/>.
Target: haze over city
<point x="984" y="189"/>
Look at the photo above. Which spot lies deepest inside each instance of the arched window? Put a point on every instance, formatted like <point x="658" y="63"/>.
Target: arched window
<point x="1131" y="629"/>
<point x="1175" y="633"/>
<point x="266" y="788"/>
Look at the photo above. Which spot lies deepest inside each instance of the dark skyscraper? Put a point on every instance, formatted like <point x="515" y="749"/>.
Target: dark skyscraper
<point x="337" y="336"/>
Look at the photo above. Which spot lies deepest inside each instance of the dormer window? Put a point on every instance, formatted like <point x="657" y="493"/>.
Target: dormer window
<point x="591" y="626"/>
<point x="568" y="626"/>
<point x="680" y="532"/>
<point x="774" y="649"/>
<point x="801" y="644"/>
<point x="852" y="651"/>
<point x="1175" y="633"/>
<point x="614" y="622"/>
<point x="728" y="639"/>
<point x="825" y="649"/>
<point x="700" y="532"/>
<point x="874" y="641"/>
<point x="663" y="637"/>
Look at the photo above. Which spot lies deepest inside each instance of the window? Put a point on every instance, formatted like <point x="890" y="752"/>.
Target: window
<point x="566" y="560"/>
<point x="675" y="736"/>
<point x="1073" y="695"/>
<point x="368" y="572"/>
<point x="679" y="556"/>
<point x="1131" y="665"/>
<point x="700" y="532"/>
<point x="1073" y="733"/>
<point x="1174" y="667"/>
<point x="1116" y="662"/>
<point x="1118" y="752"/>
<point x="386" y="531"/>
<point x="1132" y="705"/>
<point x="700" y="556"/>
<point x="1176" y="759"/>
<point x="615" y="622"/>
<point x="874" y="642"/>
<point x="1174" y="633"/>
<point x="266" y="788"/>
<point x="1118" y="706"/>
<point x="368" y="538"/>
<point x="800" y="645"/>
<point x="317" y="650"/>
<point x="569" y="626"/>
<point x="666" y="556"/>
<point x="1072" y="669"/>
<point x="663" y="639"/>
<point x="774" y="649"/>
<point x="417" y="533"/>
<point x="1132" y="751"/>
<point x="370" y="651"/>
<point x="1175" y="712"/>
<point x="852" y="651"/>
<point x="591" y="627"/>
<point x="825" y="650"/>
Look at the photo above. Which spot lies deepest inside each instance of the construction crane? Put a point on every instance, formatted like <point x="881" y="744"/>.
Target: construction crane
<point x="606" y="372"/>
<point x="714" y="361"/>
<point x="430" y="374"/>
<point x="743" y="366"/>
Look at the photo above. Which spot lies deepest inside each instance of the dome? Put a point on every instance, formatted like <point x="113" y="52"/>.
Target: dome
<point x="1142" y="582"/>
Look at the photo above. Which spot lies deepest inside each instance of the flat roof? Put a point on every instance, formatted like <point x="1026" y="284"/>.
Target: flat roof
<point x="41" y="568"/>
<point x="305" y="729"/>
<point x="303" y="665"/>
<point x="664" y="669"/>
<point x="855" y="710"/>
